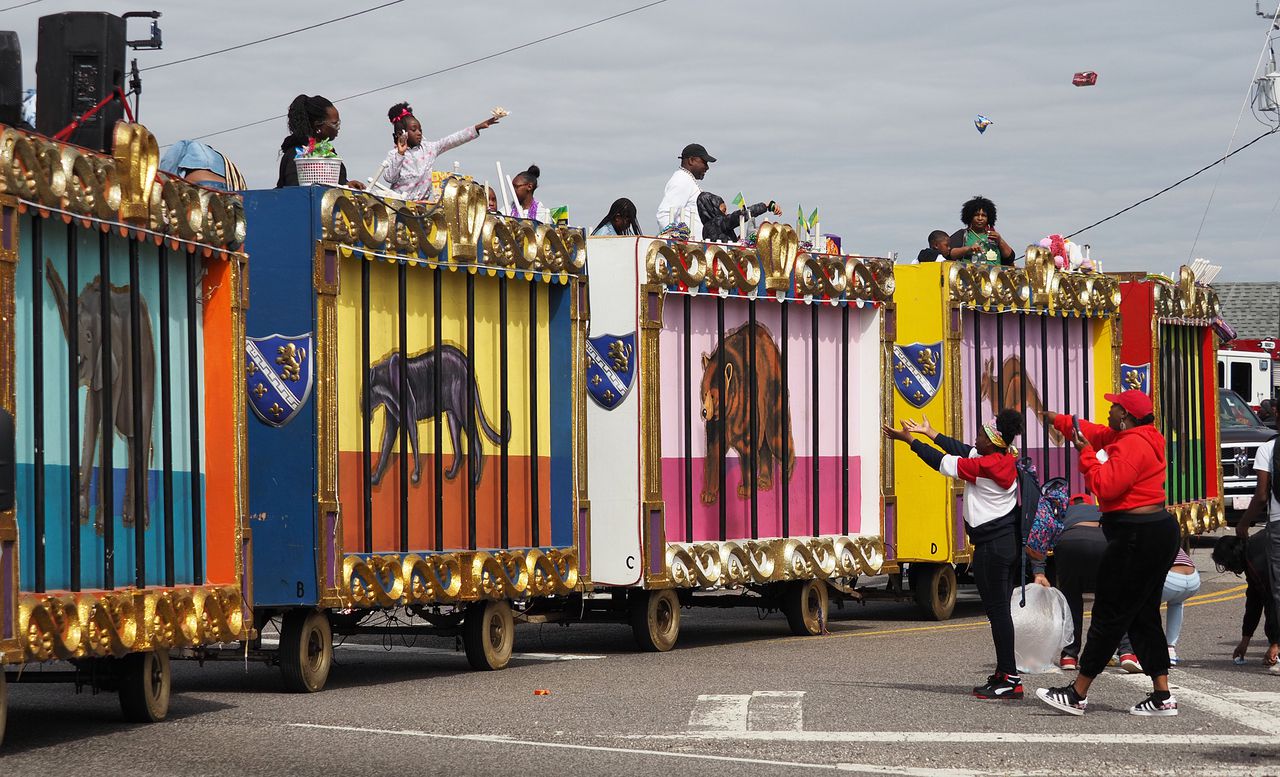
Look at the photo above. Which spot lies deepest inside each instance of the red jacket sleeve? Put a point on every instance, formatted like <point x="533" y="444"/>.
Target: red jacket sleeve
<point x="995" y="466"/>
<point x="1112" y="479"/>
<point x="1098" y="435"/>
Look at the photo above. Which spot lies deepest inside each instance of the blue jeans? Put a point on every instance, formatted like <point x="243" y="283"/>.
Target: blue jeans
<point x="1177" y="589"/>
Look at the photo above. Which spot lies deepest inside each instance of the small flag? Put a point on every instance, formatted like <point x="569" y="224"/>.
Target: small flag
<point x="739" y="202"/>
<point x="813" y="219"/>
<point x="801" y="224"/>
<point x="560" y="213"/>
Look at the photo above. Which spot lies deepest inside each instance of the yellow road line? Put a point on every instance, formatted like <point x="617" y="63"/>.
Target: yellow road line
<point x="1215" y="597"/>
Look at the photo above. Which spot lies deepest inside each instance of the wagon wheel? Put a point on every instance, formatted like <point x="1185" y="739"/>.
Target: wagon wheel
<point x="655" y="620"/>
<point x="934" y="589"/>
<point x="488" y="633"/>
<point x="306" y="650"/>
<point x="805" y="602"/>
<point x="144" y="686"/>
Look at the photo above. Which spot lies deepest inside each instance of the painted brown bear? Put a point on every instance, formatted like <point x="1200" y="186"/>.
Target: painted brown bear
<point x="725" y="402"/>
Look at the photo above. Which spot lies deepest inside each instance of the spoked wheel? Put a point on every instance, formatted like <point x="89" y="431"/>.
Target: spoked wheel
<point x="144" y="686"/>
<point x="488" y="633"/>
<point x="934" y="589"/>
<point x="306" y="650"/>
<point x="655" y="620"/>
<point x="805" y="605"/>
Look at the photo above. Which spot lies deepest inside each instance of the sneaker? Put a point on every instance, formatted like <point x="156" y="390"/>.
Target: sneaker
<point x="1000" y="686"/>
<point x="1068" y="664"/>
<point x="1129" y="663"/>
<point x="1173" y="656"/>
<point x="1065" y="699"/>
<point x="1151" y="707"/>
<point x="1114" y="660"/>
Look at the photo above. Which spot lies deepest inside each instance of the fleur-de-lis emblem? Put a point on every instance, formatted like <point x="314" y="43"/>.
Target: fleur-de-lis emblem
<point x="259" y="390"/>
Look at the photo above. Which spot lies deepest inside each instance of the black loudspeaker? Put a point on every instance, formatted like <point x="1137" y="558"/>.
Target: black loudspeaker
<point x="79" y="61"/>
<point x="10" y="79"/>
<point x="6" y="460"/>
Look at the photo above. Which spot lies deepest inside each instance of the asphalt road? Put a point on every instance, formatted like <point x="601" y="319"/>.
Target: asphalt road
<point x="884" y="693"/>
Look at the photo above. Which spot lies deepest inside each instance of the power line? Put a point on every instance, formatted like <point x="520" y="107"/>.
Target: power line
<point x="269" y="38"/>
<point x="1247" y="94"/>
<point x="447" y="69"/>
<point x="1174" y="185"/>
<point x="19" y="5"/>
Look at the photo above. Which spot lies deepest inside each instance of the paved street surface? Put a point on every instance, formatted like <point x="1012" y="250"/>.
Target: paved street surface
<point x="885" y="693"/>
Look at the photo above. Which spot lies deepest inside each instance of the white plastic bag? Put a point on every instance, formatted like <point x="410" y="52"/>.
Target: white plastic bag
<point x="1041" y="629"/>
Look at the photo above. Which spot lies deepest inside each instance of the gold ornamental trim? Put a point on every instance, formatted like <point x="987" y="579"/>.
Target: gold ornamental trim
<point x="393" y="580"/>
<point x="746" y="562"/>
<point x="1184" y="301"/>
<point x="1200" y="517"/>
<point x="123" y="190"/>
<point x="84" y="625"/>
<point x="776" y="261"/>
<point x="455" y="232"/>
<point x="1040" y="287"/>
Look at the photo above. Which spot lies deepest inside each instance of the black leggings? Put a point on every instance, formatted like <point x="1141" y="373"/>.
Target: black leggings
<point x="994" y="570"/>
<point x="1130" y="583"/>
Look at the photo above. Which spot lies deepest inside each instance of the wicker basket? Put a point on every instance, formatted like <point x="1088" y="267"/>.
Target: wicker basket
<point x="321" y="170"/>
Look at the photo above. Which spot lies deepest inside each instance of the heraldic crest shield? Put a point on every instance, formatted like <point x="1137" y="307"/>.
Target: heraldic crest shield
<point x="1136" y="376"/>
<point x="611" y="368"/>
<point x="278" y="376"/>
<point x="917" y="371"/>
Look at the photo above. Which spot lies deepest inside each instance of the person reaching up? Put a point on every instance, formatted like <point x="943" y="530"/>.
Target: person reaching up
<point x="410" y="163"/>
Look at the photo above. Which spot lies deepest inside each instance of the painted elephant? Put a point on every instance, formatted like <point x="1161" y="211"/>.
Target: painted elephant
<point x="92" y="371"/>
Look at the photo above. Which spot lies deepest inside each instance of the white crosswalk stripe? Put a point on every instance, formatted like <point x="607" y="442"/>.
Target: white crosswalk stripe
<point x="1222" y="700"/>
<point x="739" y="712"/>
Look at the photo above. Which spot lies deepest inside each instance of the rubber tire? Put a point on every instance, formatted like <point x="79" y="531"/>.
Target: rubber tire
<point x="806" y="603"/>
<point x="655" y="620"/>
<point x="488" y="634"/>
<point x="934" y="589"/>
<point x="145" y="682"/>
<point x="306" y="650"/>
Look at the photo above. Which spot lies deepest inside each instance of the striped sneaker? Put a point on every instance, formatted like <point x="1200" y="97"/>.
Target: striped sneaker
<point x="1065" y="699"/>
<point x="1000" y="686"/>
<point x="1153" y="707"/>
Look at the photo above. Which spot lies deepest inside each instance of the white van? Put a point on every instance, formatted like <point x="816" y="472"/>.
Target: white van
<point x="1247" y="373"/>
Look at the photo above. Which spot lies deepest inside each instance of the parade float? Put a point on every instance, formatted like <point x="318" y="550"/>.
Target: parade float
<point x="1169" y="350"/>
<point x="121" y="329"/>
<point x="414" y="372"/>
<point x="981" y="338"/>
<point x="734" y="450"/>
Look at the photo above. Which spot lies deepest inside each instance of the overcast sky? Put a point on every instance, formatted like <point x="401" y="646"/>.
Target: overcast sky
<point x="864" y="109"/>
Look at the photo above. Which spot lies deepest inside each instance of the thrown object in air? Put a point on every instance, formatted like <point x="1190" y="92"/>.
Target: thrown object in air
<point x="1085" y="78"/>
<point x="499" y="112"/>
<point x="982" y="122"/>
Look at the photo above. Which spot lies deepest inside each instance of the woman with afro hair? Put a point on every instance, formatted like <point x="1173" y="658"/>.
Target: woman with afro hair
<point x="990" y="474"/>
<point x="979" y="241"/>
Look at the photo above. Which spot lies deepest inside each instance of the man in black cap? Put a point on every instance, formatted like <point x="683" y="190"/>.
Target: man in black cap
<point x="680" y="198"/>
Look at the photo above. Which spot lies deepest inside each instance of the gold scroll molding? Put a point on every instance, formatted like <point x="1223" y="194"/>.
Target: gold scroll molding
<point x="748" y="562"/>
<point x="1200" y="517"/>
<point x="392" y="580"/>
<point x="777" y="260"/>
<point x="85" y="625"/>
<point x="456" y="229"/>
<point x="1185" y="300"/>
<point x="124" y="188"/>
<point x="1039" y="287"/>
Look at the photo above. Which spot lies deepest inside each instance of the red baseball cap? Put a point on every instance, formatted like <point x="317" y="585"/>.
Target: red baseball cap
<point x="1083" y="497"/>
<point x="1135" y="403"/>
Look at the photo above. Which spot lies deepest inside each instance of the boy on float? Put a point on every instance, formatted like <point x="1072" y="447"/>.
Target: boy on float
<point x="989" y="470"/>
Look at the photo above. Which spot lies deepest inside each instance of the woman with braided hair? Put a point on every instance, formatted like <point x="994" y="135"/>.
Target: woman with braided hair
<point x="310" y="118"/>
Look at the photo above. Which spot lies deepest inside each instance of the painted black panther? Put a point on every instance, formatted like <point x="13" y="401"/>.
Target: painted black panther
<point x="448" y="368"/>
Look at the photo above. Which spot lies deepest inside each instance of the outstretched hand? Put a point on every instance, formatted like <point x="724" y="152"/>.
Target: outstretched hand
<point x="922" y="426"/>
<point x="896" y="434"/>
<point x="489" y="122"/>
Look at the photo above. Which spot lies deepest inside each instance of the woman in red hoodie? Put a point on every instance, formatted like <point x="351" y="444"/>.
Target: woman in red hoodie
<point x="1123" y="464"/>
